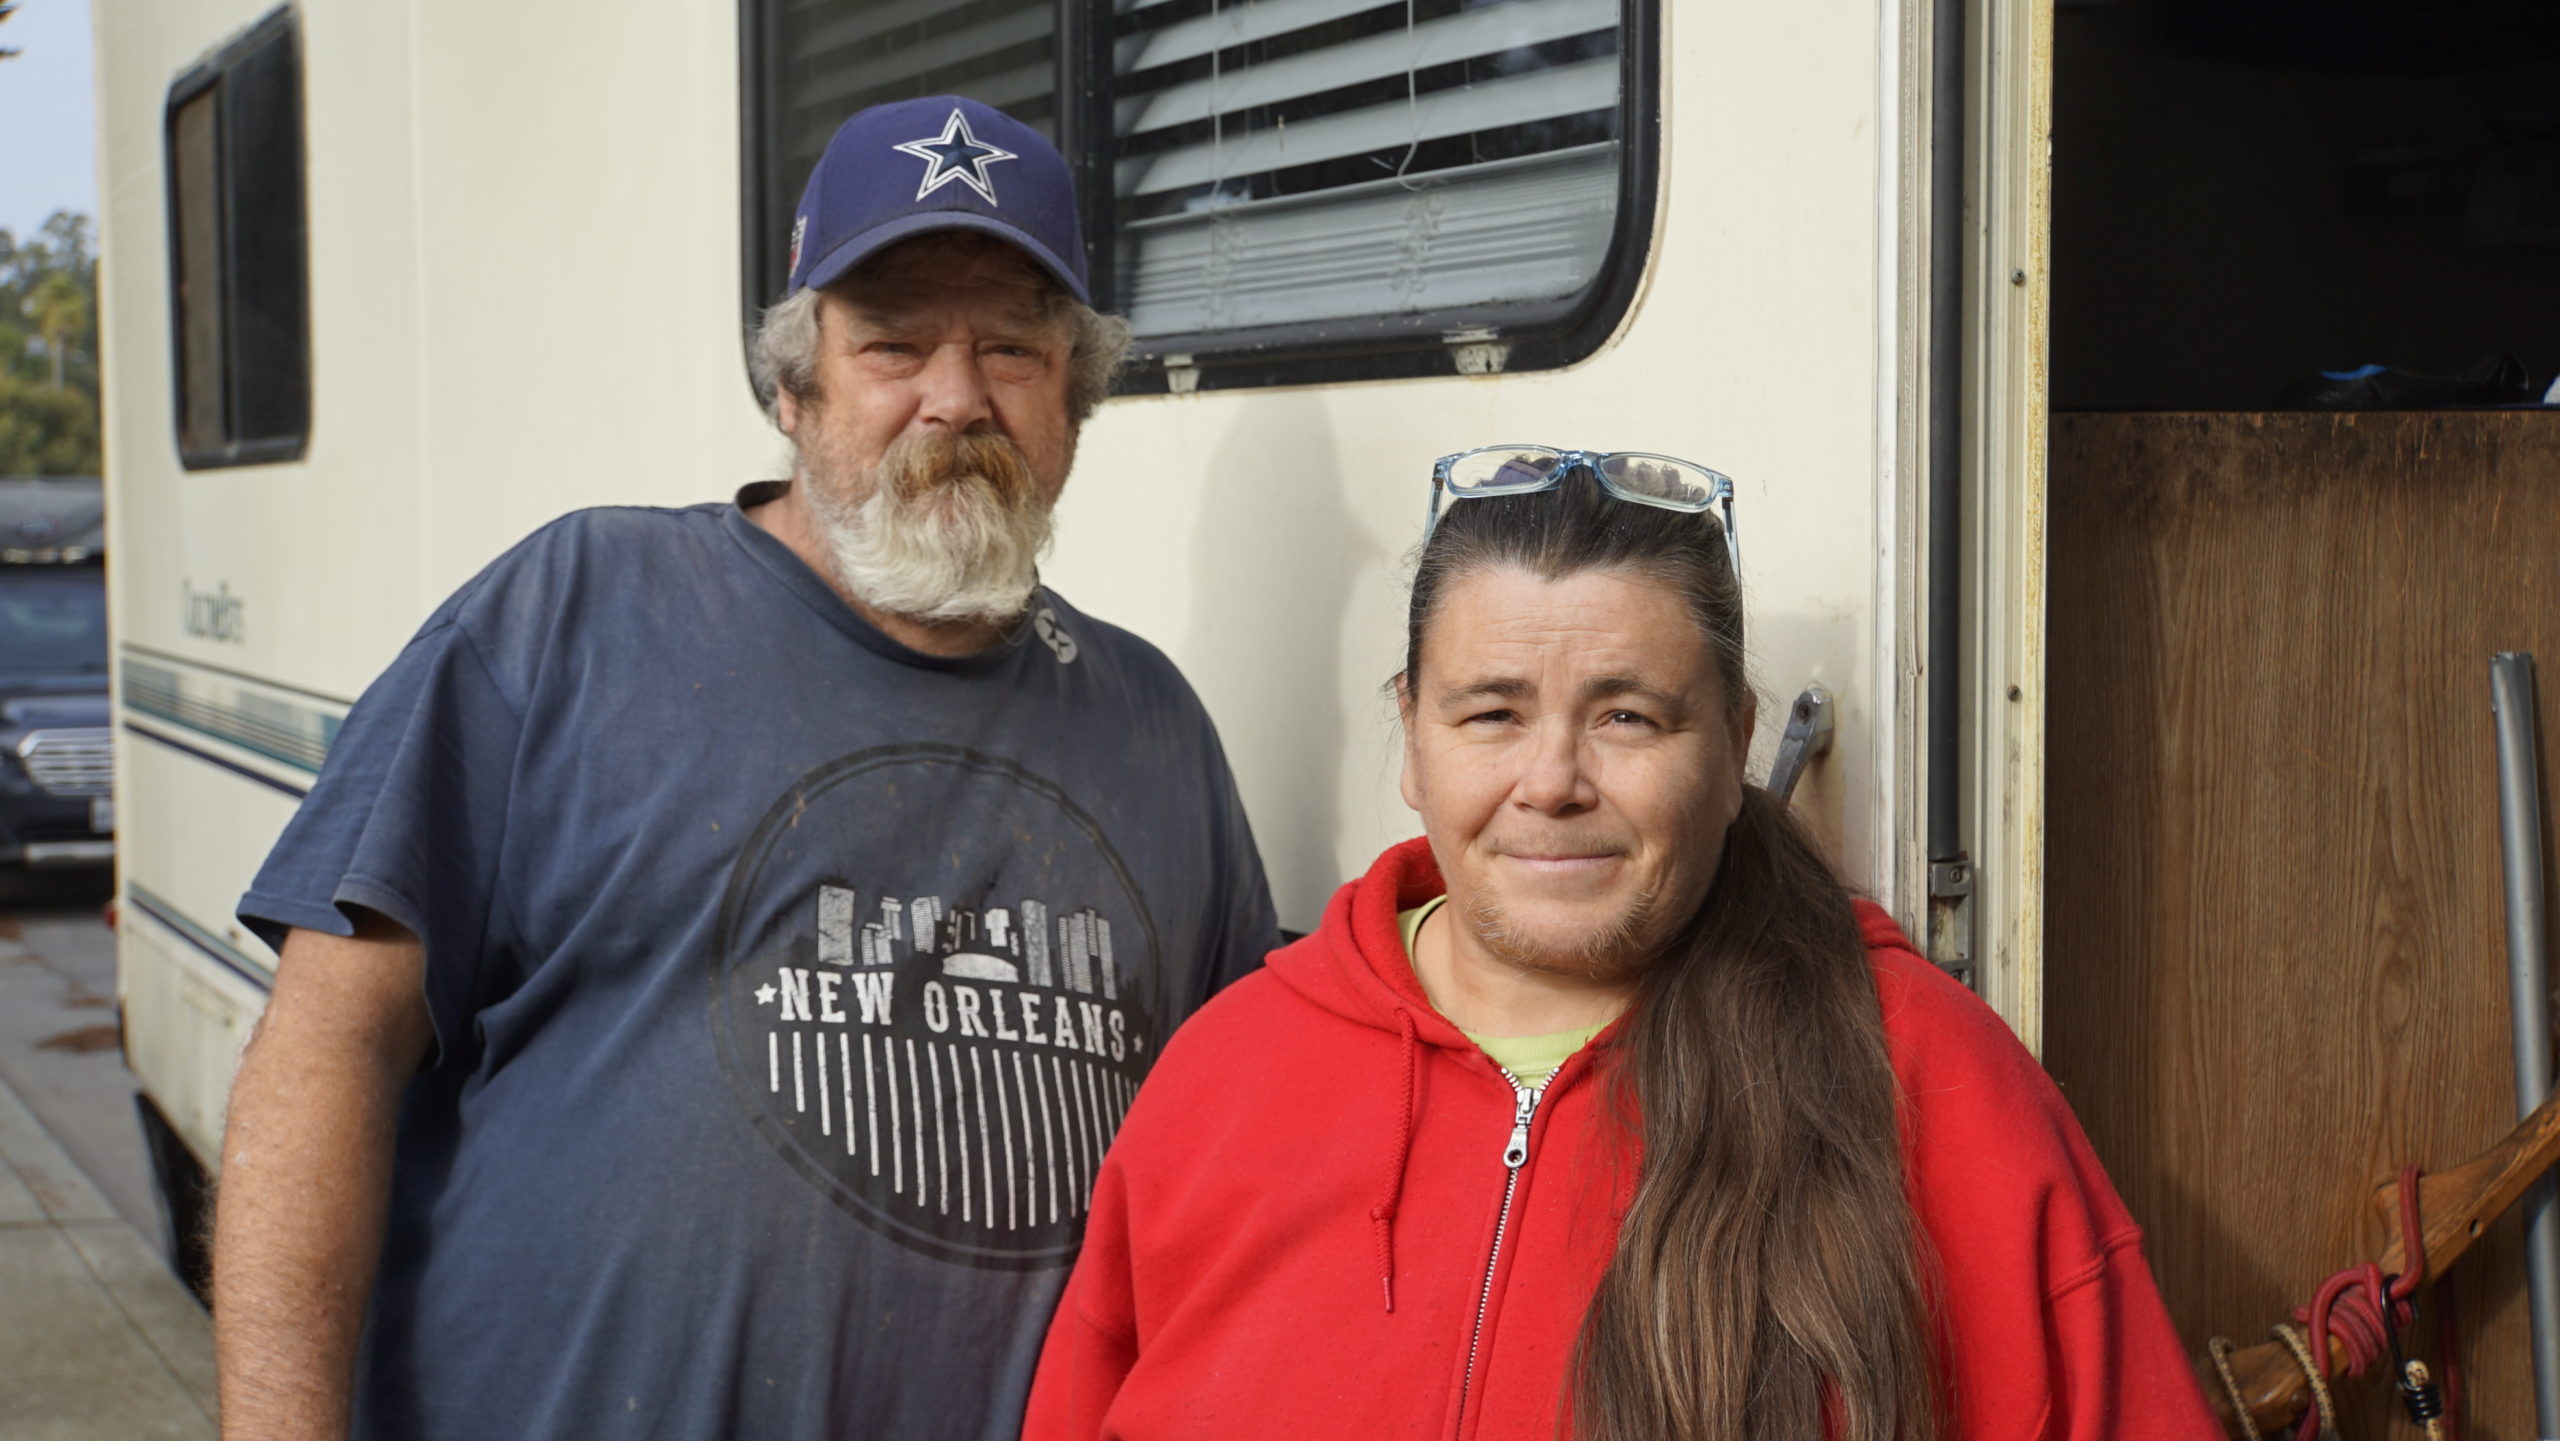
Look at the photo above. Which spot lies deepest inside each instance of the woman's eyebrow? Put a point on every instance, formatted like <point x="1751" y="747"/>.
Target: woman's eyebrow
<point x="1609" y="687"/>
<point x="1492" y="687"/>
<point x="1598" y="688"/>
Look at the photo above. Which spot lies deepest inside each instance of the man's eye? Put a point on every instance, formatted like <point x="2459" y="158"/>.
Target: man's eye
<point x="1628" y="717"/>
<point x="1493" y="717"/>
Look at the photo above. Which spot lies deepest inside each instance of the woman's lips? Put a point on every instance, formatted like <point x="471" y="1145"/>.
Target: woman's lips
<point x="1562" y="865"/>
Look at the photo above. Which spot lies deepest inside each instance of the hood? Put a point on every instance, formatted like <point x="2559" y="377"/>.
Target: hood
<point x="1354" y="963"/>
<point x="1354" y="966"/>
<point x="52" y="519"/>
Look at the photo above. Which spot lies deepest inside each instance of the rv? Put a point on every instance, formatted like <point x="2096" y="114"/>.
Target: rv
<point x="387" y="285"/>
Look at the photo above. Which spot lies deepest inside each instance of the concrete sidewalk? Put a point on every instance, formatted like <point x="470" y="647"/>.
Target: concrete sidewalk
<point x="97" y="1339"/>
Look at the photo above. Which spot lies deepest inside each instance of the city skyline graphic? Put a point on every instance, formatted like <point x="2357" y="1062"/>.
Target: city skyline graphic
<point x="1004" y="1138"/>
<point x="942" y="1034"/>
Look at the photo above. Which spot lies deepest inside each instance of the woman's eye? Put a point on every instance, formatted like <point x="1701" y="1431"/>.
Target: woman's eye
<point x="1495" y="717"/>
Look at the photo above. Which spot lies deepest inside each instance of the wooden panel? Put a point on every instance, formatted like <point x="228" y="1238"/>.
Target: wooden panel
<point x="2275" y="957"/>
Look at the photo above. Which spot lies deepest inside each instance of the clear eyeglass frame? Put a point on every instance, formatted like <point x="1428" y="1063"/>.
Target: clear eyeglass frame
<point x="1678" y="485"/>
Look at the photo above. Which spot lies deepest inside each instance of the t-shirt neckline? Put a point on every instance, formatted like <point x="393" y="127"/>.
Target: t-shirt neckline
<point x="1516" y="1055"/>
<point x="785" y="565"/>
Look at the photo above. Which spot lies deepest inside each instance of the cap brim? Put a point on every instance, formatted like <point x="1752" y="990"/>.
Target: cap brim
<point x="830" y="267"/>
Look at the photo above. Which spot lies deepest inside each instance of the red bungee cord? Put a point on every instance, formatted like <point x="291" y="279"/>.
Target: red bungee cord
<point x="2364" y="1310"/>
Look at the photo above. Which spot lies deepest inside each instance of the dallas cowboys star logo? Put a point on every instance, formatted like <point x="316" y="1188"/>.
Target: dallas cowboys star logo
<point x="955" y="154"/>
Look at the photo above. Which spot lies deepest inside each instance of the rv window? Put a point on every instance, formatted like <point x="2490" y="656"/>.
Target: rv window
<point x="195" y="238"/>
<point x="238" y="253"/>
<point x="1286" y="190"/>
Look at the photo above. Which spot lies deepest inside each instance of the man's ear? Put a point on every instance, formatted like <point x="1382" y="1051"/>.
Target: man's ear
<point x="786" y="410"/>
<point x="1409" y="780"/>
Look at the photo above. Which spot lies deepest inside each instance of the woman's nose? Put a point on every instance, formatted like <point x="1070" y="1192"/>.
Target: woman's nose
<point x="1555" y="781"/>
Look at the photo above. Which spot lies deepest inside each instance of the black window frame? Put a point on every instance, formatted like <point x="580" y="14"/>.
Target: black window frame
<point x="1535" y="336"/>
<point x="282" y="23"/>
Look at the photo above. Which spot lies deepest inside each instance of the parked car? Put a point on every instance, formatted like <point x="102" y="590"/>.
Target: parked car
<point x="57" y="757"/>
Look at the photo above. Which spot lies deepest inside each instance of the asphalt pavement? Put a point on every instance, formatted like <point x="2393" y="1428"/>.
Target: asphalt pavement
<point x="98" y="1340"/>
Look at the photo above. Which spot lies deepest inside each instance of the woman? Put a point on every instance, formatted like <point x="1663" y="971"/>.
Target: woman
<point x="1601" y="1108"/>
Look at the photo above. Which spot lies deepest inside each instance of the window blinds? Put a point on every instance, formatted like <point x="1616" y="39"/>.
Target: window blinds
<point x="840" y="58"/>
<point x="1281" y="162"/>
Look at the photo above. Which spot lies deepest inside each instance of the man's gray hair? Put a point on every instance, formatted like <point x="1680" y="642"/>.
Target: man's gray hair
<point x="783" y="356"/>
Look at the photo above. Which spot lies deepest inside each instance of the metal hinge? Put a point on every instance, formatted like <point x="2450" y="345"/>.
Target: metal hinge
<point x="1808" y="737"/>
<point x="1950" y="940"/>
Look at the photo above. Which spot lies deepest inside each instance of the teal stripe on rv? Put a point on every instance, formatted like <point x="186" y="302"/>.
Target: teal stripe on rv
<point x="285" y="731"/>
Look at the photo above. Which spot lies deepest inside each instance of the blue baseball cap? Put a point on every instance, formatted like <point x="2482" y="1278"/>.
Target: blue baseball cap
<point x="940" y="163"/>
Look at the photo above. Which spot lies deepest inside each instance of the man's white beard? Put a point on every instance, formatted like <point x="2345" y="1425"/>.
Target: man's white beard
<point x="941" y="546"/>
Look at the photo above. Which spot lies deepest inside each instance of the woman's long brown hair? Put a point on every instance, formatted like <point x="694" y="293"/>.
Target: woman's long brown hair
<point x="1767" y="1281"/>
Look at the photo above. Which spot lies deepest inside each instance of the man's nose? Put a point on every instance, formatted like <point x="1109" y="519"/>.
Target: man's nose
<point x="954" y="393"/>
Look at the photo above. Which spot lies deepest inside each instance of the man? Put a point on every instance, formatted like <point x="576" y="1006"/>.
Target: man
<point x="721" y="946"/>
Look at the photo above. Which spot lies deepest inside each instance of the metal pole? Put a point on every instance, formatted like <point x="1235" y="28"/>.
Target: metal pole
<point x="1946" y="428"/>
<point x="1950" y="925"/>
<point x="2511" y="701"/>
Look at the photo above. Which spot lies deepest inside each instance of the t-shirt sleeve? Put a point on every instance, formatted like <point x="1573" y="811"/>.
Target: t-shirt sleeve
<point x="408" y="818"/>
<point x="1249" y="925"/>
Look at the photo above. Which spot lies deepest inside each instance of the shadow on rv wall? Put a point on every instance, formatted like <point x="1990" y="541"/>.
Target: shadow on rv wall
<point x="1273" y="576"/>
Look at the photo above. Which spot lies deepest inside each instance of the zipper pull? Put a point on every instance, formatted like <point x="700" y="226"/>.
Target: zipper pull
<point x="1516" y="1153"/>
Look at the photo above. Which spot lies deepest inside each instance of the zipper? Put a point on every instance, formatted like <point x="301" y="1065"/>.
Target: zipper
<point x="1515" y="1154"/>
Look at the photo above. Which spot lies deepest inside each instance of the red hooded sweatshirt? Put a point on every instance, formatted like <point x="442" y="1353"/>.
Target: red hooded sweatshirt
<point x="1323" y="1218"/>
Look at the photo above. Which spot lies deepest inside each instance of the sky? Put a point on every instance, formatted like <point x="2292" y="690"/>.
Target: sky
<point x="48" y="122"/>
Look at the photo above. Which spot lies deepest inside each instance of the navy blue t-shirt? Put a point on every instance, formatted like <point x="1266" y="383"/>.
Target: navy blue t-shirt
<point x="787" y="985"/>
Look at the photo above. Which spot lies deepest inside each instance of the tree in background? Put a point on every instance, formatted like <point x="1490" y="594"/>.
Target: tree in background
<point x="49" y="350"/>
<point x="61" y="310"/>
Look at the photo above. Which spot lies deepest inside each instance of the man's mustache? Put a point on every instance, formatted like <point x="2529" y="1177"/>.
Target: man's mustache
<point x="916" y="467"/>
